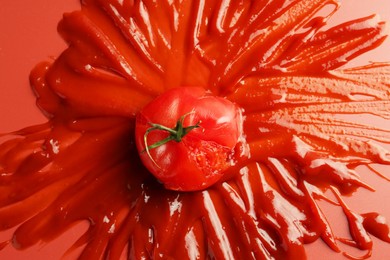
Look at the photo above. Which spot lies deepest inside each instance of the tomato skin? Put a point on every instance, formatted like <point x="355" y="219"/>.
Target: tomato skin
<point x="201" y="157"/>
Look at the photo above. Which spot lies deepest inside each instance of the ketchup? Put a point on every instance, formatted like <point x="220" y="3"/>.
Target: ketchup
<point x="304" y="138"/>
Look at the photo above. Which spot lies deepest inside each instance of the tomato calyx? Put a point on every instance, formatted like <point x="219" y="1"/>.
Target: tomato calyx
<point x="175" y="134"/>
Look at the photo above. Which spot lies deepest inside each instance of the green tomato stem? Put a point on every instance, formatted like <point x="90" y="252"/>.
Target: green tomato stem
<point x="175" y="134"/>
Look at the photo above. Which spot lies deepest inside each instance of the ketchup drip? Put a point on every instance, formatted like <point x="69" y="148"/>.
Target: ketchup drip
<point x="271" y="59"/>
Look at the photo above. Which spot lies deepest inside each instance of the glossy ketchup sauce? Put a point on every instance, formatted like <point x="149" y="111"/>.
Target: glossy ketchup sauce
<point x="310" y="125"/>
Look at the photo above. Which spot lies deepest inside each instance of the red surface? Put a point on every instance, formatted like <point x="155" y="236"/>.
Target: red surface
<point x="28" y="35"/>
<point x="367" y="201"/>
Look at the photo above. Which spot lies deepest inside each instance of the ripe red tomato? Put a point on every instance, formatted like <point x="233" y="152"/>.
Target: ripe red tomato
<point x="186" y="137"/>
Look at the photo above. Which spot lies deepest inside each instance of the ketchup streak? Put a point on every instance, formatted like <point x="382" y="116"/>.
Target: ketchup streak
<point x="270" y="58"/>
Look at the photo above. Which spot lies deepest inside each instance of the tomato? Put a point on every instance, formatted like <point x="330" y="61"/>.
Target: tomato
<point x="186" y="137"/>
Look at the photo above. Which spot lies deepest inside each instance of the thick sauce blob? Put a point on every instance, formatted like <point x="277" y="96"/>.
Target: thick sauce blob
<point x="302" y="128"/>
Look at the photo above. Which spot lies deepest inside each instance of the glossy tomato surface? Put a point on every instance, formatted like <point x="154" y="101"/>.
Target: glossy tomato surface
<point x="199" y="158"/>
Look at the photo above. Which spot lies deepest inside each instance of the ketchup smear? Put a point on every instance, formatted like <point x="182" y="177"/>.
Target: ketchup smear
<point x="303" y="132"/>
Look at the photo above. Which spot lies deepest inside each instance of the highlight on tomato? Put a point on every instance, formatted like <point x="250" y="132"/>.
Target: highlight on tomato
<point x="187" y="137"/>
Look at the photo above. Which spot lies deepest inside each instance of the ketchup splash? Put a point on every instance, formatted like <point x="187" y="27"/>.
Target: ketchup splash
<point x="303" y="132"/>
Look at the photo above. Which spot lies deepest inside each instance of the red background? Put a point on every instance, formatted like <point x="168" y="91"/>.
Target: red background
<point x="28" y="35"/>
